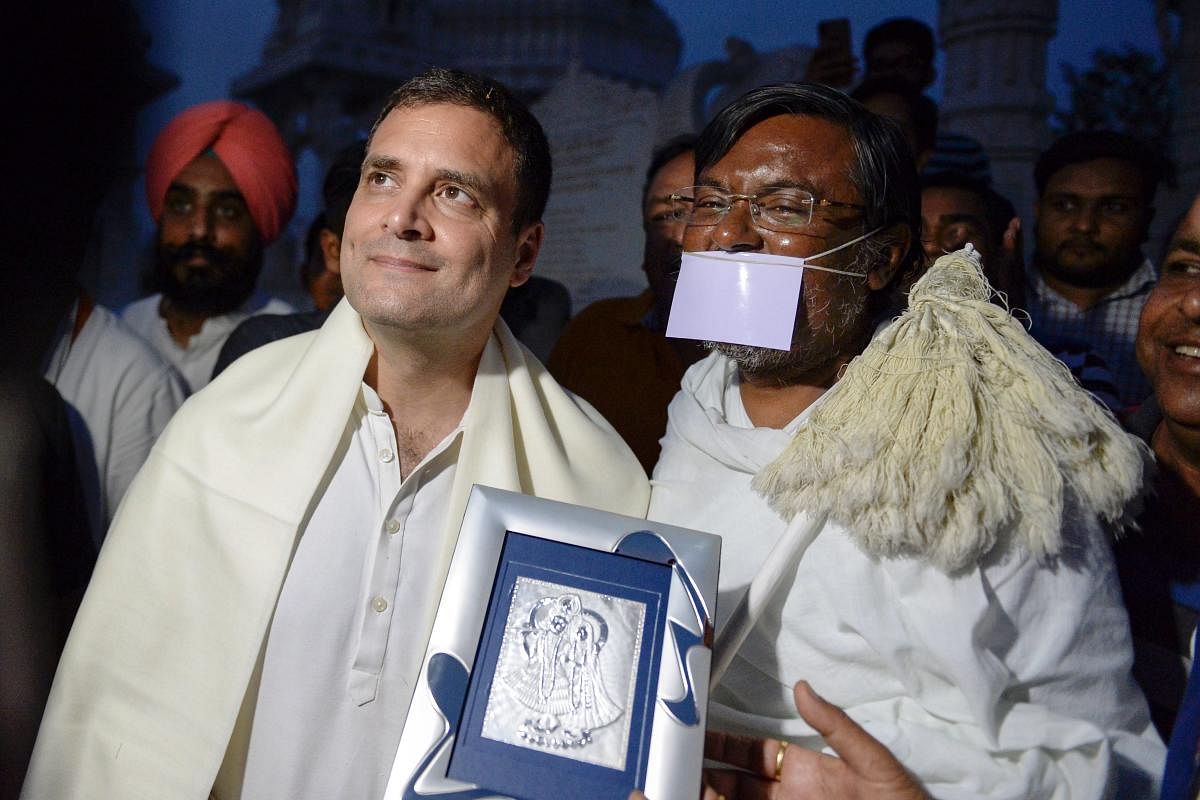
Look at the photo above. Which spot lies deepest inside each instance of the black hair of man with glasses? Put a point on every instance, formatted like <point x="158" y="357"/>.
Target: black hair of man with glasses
<point x="313" y="493"/>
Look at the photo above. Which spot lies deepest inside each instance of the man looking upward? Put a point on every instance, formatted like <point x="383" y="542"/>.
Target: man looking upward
<point x="266" y="595"/>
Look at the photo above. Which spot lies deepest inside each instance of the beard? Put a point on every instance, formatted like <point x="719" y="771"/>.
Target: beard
<point x="1086" y="263"/>
<point x="838" y="335"/>
<point x="219" y="286"/>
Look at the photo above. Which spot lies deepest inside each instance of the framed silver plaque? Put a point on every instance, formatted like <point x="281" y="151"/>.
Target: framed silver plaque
<point x="569" y="658"/>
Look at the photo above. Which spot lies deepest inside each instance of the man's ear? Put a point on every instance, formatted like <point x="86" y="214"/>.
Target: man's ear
<point x="899" y="242"/>
<point x="331" y="250"/>
<point x="529" y="244"/>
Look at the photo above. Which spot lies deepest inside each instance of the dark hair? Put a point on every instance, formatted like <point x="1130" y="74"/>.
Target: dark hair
<point x="921" y="109"/>
<point x="341" y="179"/>
<point x="882" y="169"/>
<point x="1076" y="148"/>
<point x="998" y="209"/>
<point x="522" y="131"/>
<point x="665" y="154"/>
<point x="904" y="29"/>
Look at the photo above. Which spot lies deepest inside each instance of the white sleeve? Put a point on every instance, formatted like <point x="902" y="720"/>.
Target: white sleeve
<point x="1072" y="653"/>
<point x="1007" y="681"/>
<point x="1039" y="656"/>
<point x="145" y="401"/>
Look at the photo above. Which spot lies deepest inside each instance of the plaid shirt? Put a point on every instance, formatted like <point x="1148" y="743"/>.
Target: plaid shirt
<point x="1108" y="328"/>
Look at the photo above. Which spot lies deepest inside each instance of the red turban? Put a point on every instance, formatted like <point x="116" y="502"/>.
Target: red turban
<point x="249" y="146"/>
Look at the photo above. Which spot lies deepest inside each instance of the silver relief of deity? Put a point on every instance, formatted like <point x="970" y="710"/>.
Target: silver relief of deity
<point x="567" y="672"/>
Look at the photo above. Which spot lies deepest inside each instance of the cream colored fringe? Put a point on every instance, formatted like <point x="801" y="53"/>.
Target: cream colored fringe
<point x="953" y="431"/>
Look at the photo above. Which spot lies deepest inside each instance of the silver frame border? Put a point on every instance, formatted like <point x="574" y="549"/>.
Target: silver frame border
<point x="676" y="750"/>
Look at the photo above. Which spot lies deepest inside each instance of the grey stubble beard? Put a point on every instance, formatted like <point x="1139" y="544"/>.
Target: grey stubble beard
<point x="812" y="349"/>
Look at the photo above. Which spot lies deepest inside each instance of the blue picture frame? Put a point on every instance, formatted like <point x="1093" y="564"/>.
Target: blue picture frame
<point x="527" y="772"/>
<point x="646" y="591"/>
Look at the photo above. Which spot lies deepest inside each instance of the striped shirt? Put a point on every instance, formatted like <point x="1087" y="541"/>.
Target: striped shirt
<point x="1109" y="328"/>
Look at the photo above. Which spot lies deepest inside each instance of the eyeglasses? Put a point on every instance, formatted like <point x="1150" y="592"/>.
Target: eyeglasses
<point x="780" y="210"/>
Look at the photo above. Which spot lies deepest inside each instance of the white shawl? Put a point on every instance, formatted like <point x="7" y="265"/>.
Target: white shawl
<point x="1010" y="680"/>
<point x="165" y="649"/>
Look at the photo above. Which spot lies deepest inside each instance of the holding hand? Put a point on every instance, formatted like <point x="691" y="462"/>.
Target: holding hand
<point x="863" y="768"/>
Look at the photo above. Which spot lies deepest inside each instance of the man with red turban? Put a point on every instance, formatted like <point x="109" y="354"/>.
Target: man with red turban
<point x="221" y="184"/>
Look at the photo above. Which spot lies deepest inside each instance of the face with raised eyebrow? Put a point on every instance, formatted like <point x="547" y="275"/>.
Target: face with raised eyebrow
<point x="429" y="247"/>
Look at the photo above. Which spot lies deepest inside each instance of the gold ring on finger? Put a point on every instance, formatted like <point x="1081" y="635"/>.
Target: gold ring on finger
<point x="783" y="746"/>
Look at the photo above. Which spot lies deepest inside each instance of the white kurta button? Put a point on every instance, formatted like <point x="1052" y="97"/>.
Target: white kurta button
<point x="392" y="526"/>
<point x="386" y="455"/>
<point x="379" y="604"/>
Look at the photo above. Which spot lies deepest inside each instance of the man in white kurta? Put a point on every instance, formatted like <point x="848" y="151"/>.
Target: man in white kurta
<point x="196" y="359"/>
<point x="121" y="394"/>
<point x="259" y="614"/>
<point x="1007" y="679"/>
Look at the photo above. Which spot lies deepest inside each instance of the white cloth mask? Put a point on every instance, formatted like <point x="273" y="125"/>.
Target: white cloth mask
<point x="743" y="298"/>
